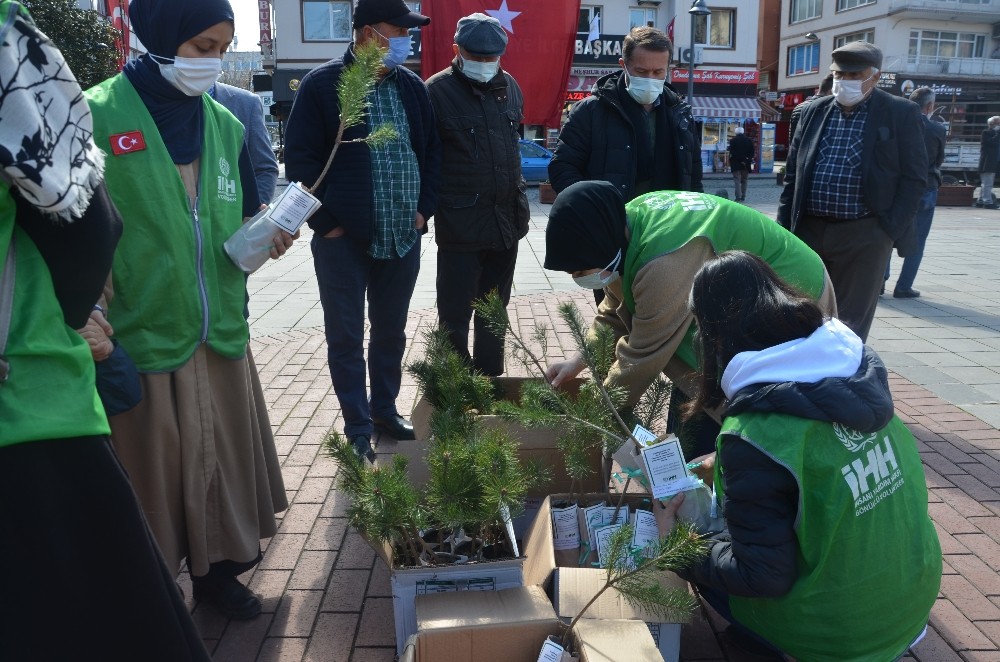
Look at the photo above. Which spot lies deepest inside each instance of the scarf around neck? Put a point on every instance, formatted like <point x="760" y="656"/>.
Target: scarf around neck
<point x="47" y="149"/>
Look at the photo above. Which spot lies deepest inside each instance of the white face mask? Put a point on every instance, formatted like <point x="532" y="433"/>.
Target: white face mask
<point x="849" y="92"/>
<point x="191" y="75"/>
<point x="482" y="72"/>
<point x="644" y="90"/>
<point x="997" y="127"/>
<point x="596" y="281"/>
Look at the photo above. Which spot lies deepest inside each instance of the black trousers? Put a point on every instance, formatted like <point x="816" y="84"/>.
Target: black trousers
<point x="80" y="574"/>
<point x="461" y="279"/>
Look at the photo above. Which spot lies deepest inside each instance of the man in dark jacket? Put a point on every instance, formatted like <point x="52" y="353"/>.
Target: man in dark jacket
<point x="989" y="162"/>
<point x="855" y="173"/>
<point x="934" y="139"/>
<point x="741" y="153"/>
<point x="824" y="90"/>
<point x="482" y="210"/>
<point x="635" y="131"/>
<point x="376" y="202"/>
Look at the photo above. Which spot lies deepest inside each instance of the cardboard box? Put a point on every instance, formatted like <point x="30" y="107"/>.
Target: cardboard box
<point x="536" y="443"/>
<point x="505" y="626"/>
<point x="511" y="626"/>
<point x="572" y="586"/>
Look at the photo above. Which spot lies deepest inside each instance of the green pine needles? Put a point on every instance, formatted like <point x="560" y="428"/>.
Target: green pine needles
<point x="632" y="572"/>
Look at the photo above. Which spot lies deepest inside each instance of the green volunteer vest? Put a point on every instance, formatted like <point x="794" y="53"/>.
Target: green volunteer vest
<point x="50" y="392"/>
<point x="174" y="285"/>
<point x="665" y="221"/>
<point x="869" y="559"/>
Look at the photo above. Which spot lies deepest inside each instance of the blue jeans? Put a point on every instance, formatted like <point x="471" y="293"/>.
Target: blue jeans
<point x="922" y="220"/>
<point x="346" y="273"/>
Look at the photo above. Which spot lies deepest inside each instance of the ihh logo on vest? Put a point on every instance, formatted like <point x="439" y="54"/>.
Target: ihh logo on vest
<point x="227" y="187"/>
<point x="874" y="478"/>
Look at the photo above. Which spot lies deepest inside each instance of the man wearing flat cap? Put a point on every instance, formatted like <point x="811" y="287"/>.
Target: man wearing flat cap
<point x="482" y="208"/>
<point x="855" y="173"/>
<point x="376" y="203"/>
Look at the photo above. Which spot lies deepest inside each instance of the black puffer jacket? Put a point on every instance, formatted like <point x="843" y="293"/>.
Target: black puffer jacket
<point x="599" y="142"/>
<point x="756" y="556"/>
<point x="482" y="204"/>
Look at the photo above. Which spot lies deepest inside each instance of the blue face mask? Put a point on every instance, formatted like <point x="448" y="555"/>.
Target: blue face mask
<point x="399" y="49"/>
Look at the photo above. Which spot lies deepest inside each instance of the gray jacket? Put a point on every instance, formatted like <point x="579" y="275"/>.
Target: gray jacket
<point x="247" y="108"/>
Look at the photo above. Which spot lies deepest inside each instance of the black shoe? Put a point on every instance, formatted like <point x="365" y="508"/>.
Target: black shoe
<point x="882" y="291"/>
<point x="908" y="293"/>
<point x="229" y="596"/>
<point x="363" y="446"/>
<point x="396" y="427"/>
<point x="991" y="206"/>
<point x="979" y="203"/>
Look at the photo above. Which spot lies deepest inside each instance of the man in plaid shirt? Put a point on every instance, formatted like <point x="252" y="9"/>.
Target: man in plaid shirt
<point x="856" y="170"/>
<point x="376" y="204"/>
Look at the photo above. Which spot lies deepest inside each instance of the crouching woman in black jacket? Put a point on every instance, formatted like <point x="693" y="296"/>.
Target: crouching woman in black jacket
<point x="820" y="484"/>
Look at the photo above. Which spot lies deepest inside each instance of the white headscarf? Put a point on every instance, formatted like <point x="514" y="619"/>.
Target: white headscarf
<point x="47" y="146"/>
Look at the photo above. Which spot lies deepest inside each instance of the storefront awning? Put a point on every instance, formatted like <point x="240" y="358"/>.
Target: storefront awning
<point x="732" y="108"/>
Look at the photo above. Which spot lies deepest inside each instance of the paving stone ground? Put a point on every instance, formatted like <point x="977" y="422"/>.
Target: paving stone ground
<point x="326" y="596"/>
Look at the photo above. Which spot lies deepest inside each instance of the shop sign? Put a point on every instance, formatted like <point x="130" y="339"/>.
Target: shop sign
<point x="264" y="15"/>
<point x="573" y="97"/>
<point x="716" y="76"/>
<point x="607" y="49"/>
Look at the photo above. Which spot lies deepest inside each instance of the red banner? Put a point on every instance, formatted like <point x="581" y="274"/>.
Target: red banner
<point x="118" y="11"/>
<point x="541" y="38"/>
<point x="680" y="75"/>
<point x="264" y="15"/>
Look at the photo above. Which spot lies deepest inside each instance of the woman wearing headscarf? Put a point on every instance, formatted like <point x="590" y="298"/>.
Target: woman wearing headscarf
<point x="80" y="574"/>
<point x="198" y="447"/>
<point x="645" y="255"/>
<point x="829" y="553"/>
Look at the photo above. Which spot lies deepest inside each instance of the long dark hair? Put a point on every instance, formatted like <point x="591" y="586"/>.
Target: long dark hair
<point x="740" y="304"/>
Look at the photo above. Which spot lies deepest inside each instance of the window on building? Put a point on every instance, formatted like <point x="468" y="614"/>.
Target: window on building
<point x="933" y="45"/>
<point x="864" y="35"/>
<point x="640" y="16"/>
<point x="851" y="4"/>
<point x="803" y="10"/>
<point x="326" y="20"/>
<point x="716" y="30"/>
<point x="588" y="14"/>
<point x="803" y="59"/>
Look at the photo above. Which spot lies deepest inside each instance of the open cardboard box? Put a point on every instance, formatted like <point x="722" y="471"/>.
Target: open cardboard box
<point x="573" y="586"/>
<point x="536" y="443"/>
<point x="511" y="626"/>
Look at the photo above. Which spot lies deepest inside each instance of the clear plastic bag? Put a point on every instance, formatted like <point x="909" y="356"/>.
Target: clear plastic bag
<point x="249" y="247"/>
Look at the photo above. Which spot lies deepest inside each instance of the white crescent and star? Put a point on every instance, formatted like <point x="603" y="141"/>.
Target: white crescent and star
<point x="122" y="146"/>
<point x="505" y="16"/>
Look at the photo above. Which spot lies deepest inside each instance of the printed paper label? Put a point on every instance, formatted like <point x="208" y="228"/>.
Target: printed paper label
<point x="645" y="531"/>
<point x="665" y="469"/>
<point x="643" y="436"/>
<point x="565" y="528"/>
<point x="602" y="540"/>
<point x="293" y="208"/>
<point x="551" y="652"/>
<point x="594" y="517"/>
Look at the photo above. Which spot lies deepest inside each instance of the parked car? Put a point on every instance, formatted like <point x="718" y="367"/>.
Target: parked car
<point x="534" y="162"/>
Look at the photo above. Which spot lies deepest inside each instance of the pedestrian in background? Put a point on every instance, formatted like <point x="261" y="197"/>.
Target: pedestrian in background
<point x="482" y="209"/>
<point x="934" y="139"/>
<point x="261" y="168"/>
<point x="856" y="170"/>
<point x="376" y="203"/>
<point x="80" y="574"/>
<point x="199" y="446"/>
<point x="989" y="162"/>
<point x="741" y="155"/>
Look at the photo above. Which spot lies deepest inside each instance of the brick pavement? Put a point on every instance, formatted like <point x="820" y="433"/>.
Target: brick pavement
<point x="327" y="597"/>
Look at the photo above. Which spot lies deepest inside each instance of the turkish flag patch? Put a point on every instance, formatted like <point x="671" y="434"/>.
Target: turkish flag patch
<point x="126" y="143"/>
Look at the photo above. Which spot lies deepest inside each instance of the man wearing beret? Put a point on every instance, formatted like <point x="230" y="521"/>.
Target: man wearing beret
<point x="482" y="208"/>
<point x="856" y="170"/>
<point x="376" y="202"/>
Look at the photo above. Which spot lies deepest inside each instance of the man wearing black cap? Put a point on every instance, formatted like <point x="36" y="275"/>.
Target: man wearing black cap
<point x="856" y="170"/>
<point x="482" y="210"/>
<point x="376" y="202"/>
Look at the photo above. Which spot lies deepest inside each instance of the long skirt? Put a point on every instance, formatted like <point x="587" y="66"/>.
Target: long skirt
<point x="201" y="456"/>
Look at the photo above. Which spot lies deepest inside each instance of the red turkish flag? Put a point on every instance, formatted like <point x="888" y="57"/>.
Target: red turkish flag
<point x="541" y="39"/>
<point x="118" y="11"/>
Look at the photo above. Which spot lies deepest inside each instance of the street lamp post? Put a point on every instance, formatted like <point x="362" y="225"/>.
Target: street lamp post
<point x="698" y="8"/>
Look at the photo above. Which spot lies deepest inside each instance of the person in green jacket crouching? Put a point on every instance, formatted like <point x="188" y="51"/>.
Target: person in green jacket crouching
<point x="80" y="574"/>
<point x="829" y="552"/>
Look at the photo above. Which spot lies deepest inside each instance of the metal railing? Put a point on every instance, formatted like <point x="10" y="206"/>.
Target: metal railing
<point x="955" y="66"/>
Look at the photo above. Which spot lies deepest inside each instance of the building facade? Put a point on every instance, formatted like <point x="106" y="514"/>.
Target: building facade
<point x="952" y="46"/>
